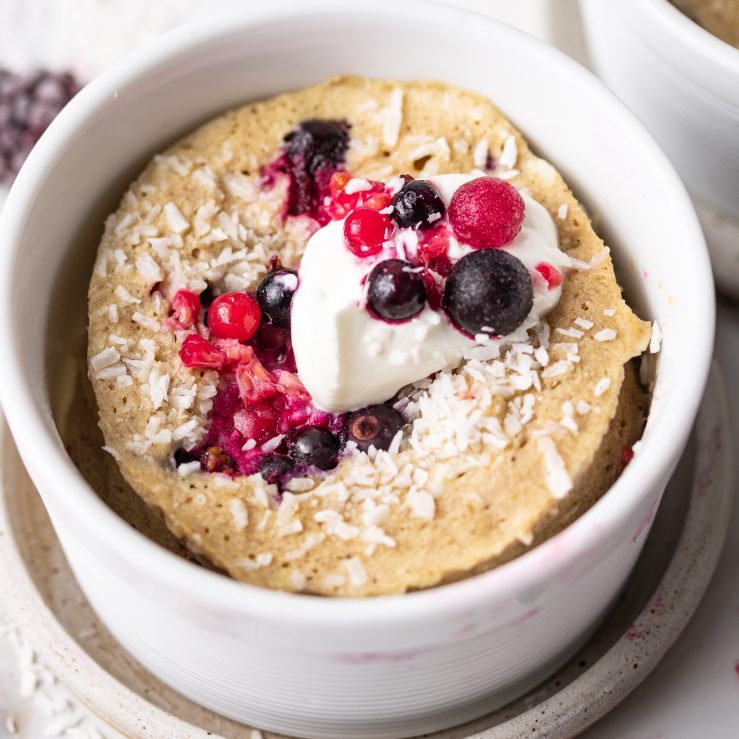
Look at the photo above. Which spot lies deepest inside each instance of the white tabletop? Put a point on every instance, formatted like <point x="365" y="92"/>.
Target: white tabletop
<point x="694" y="692"/>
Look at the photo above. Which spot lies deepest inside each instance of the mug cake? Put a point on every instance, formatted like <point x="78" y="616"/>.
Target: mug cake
<point x="358" y="340"/>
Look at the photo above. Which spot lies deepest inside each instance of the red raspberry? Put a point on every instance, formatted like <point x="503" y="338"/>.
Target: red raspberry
<point x="255" y="382"/>
<point x="486" y="213"/>
<point x="365" y="231"/>
<point x="234" y="316"/>
<point x="197" y="352"/>
<point x="185" y="310"/>
<point x="379" y="201"/>
<point x="433" y="243"/>
<point x="258" y="421"/>
<point x="235" y="351"/>
<point x="550" y="274"/>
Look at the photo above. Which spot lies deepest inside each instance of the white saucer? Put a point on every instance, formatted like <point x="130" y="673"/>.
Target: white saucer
<point x="668" y="582"/>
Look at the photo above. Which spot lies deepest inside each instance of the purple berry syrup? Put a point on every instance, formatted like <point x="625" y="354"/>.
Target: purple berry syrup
<point x="312" y="152"/>
<point x="285" y="406"/>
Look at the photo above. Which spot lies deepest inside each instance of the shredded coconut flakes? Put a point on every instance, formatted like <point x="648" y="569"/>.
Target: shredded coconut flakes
<point x="557" y="478"/>
<point x="509" y="154"/>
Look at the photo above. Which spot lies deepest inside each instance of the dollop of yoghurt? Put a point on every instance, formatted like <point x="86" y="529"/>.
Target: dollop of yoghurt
<point x="347" y="358"/>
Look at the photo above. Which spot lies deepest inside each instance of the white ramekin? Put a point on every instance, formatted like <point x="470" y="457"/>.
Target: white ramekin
<point x="389" y="666"/>
<point x="681" y="81"/>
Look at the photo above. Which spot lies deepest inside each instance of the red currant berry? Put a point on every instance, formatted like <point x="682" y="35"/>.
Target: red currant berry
<point x="365" y="231"/>
<point x="197" y="352"/>
<point x="185" y="309"/>
<point x="486" y="213"/>
<point x="552" y="276"/>
<point x="234" y="316"/>
<point x="378" y="201"/>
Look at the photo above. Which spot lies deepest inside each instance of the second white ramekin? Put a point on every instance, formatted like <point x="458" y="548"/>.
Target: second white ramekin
<point x="682" y="82"/>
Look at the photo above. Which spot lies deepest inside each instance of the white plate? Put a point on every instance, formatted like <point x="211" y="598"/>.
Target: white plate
<point x="668" y="582"/>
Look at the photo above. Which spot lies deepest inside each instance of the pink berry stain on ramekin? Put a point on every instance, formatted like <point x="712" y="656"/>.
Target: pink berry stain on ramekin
<point x="646" y="521"/>
<point x="706" y="475"/>
<point x="368" y="658"/>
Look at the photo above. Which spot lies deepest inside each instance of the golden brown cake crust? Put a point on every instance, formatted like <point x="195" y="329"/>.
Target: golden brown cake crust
<point x="436" y="512"/>
<point x="719" y="17"/>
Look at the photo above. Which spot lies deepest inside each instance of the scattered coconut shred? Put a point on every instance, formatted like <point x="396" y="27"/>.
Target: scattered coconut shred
<point x="64" y="715"/>
<point x="452" y="426"/>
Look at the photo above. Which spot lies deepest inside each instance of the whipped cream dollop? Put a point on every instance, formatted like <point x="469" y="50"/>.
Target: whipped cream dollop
<point x="347" y="358"/>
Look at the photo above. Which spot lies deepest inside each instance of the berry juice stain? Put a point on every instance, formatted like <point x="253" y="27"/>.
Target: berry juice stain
<point x="260" y="400"/>
<point x="310" y="155"/>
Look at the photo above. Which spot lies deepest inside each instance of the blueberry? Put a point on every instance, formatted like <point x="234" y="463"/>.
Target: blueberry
<point x="312" y="152"/>
<point x="275" y="294"/>
<point x="315" y="446"/>
<point x="375" y="425"/>
<point x="318" y="143"/>
<point x="417" y="204"/>
<point x="394" y="291"/>
<point x="273" y="466"/>
<point x="488" y="291"/>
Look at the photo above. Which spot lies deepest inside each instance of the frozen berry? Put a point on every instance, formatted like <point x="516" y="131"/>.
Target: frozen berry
<point x="395" y="290"/>
<point x="433" y="243"/>
<point x="488" y="291"/>
<point x="28" y="104"/>
<point x="315" y="446"/>
<point x="185" y="309"/>
<point x="417" y="205"/>
<point x="273" y="466"/>
<point x="375" y="425"/>
<point x="233" y="316"/>
<point x="275" y="295"/>
<point x="551" y="275"/>
<point x="197" y="352"/>
<point x="312" y="153"/>
<point x="365" y="231"/>
<point x="342" y="200"/>
<point x="318" y="143"/>
<point x="486" y="213"/>
<point x="257" y="420"/>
